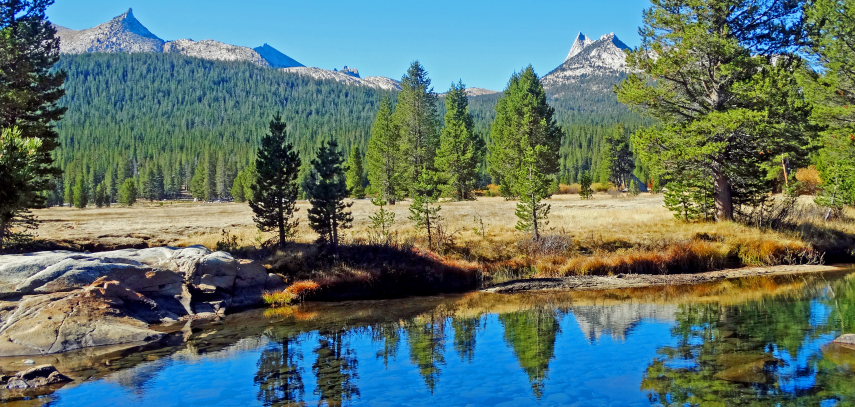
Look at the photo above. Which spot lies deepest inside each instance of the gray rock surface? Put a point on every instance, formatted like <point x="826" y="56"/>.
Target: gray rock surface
<point x="122" y="34"/>
<point x="846" y="339"/>
<point x="215" y="50"/>
<point x="59" y="301"/>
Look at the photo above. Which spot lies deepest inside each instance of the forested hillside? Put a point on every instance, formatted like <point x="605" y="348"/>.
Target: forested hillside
<point x="162" y="118"/>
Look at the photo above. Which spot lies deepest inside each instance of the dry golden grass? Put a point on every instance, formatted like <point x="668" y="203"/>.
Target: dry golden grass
<point x="611" y="233"/>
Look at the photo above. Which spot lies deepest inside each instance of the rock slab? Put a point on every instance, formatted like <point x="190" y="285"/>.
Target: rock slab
<point x="57" y="301"/>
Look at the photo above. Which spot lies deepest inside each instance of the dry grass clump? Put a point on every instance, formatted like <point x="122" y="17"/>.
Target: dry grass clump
<point x="809" y="180"/>
<point x="572" y="189"/>
<point x="294" y="293"/>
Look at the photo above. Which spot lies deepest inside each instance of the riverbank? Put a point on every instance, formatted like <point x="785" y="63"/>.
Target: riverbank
<point x="621" y="281"/>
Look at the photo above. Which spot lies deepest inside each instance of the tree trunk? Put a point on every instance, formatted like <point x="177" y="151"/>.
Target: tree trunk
<point x="723" y="198"/>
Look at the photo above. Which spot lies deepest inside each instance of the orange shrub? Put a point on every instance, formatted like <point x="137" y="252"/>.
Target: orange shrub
<point x="809" y="180"/>
<point x="572" y="189"/>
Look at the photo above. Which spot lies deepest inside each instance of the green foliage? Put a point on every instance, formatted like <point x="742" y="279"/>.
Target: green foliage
<point x="80" y="193"/>
<point x="29" y="92"/>
<point x="326" y="189"/>
<point x="380" y="224"/>
<point x="833" y="95"/>
<point x="532" y="187"/>
<point x="691" y="198"/>
<point x="274" y="190"/>
<point x="385" y="157"/>
<point x="585" y="182"/>
<point x="523" y="121"/>
<point x="460" y="149"/>
<point x="356" y="174"/>
<point x="128" y="192"/>
<point x="18" y="164"/>
<point x="617" y="162"/>
<point x="532" y="335"/>
<point x="242" y="187"/>
<point x="424" y="211"/>
<point x="417" y="121"/>
<point x="101" y="198"/>
<point x="726" y="107"/>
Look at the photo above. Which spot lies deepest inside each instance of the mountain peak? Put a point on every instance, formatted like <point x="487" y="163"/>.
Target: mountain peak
<point x="578" y="45"/>
<point x="275" y="57"/>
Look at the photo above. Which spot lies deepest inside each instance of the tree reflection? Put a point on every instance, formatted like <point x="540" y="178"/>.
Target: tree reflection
<point x="280" y="377"/>
<point x="465" y="332"/>
<point x="390" y="336"/>
<point x="532" y="336"/>
<point x="335" y="370"/>
<point x="766" y="352"/>
<point x="427" y="347"/>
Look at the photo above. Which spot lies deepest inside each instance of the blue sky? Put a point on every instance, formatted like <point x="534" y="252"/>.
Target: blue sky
<point x="482" y="42"/>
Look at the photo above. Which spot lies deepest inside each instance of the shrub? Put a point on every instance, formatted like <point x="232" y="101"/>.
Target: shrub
<point x="493" y="190"/>
<point x="602" y="186"/>
<point x="809" y="180"/>
<point x="585" y="190"/>
<point x="572" y="189"/>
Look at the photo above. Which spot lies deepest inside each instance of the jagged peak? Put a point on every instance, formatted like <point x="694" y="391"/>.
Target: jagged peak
<point x="579" y="44"/>
<point x="129" y="22"/>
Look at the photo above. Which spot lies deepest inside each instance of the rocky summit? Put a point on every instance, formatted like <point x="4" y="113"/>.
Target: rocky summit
<point x="122" y="34"/>
<point x="604" y="57"/>
<point x="57" y="301"/>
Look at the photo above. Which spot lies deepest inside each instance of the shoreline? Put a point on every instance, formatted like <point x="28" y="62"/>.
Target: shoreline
<point x="592" y="283"/>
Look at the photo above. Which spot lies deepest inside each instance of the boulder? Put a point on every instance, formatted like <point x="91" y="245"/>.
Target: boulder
<point x="60" y="301"/>
<point x="34" y="378"/>
<point x="846" y="339"/>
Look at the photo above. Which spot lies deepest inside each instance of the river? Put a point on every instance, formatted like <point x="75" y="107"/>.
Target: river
<point x="756" y="341"/>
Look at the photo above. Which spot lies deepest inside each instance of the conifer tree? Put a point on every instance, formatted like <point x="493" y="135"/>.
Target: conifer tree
<point x="718" y="76"/>
<point x="241" y="188"/>
<point x="80" y="193"/>
<point x="326" y="189"/>
<point x="101" y="199"/>
<point x="30" y="90"/>
<point x="424" y="210"/>
<point x="617" y="163"/>
<point x="417" y="122"/>
<point x="533" y="187"/>
<point x="585" y="190"/>
<point x="356" y="174"/>
<point x="460" y="149"/>
<point x="127" y="194"/>
<point x="384" y="156"/>
<point x="523" y="121"/>
<point x="275" y="187"/>
<point x="833" y="95"/>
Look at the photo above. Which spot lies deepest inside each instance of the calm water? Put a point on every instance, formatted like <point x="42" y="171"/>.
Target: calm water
<point x="752" y="342"/>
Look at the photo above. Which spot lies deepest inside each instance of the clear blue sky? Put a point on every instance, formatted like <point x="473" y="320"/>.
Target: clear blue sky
<point x="480" y="41"/>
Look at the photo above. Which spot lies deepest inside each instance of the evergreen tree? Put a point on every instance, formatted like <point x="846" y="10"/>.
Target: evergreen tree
<point x="326" y="189"/>
<point x="241" y="188"/>
<point x="460" y="148"/>
<point x="80" y="193"/>
<point x="833" y="95"/>
<point x="274" y="190"/>
<point x="718" y="75"/>
<point x="533" y="187"/>
<point x="523" y="121"/>
<point x="19" y="158"/>
<point x="417" y="122"/>
<point x="585" y="190"/>
<point x="127" y="194"/>
<point x="424" y="211"/>
<point x="101" y="196"/>
<point x="151" y="183"/>
<point x="617" y="163"/>
<point x="381" y="222"/>
<point x="30" y="90"/>
<point x="356" y="174"/>
<point x="385" y="156"/>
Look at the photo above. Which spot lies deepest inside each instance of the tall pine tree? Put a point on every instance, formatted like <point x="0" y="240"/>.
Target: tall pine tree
<point x="29" y="94"/>
<point x="718" y="76"/>
<point x="523" y="121"/>
<point x="385" y="157"/>
<point x="460" y="149"/>
<point x="326" y="188"/>
<point x="356" y="174"/>
<point x="417" y="121"/>
<point x="274" y="190"/>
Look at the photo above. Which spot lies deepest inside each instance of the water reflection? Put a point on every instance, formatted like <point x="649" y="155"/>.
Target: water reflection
<point x="762" y="341"/>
